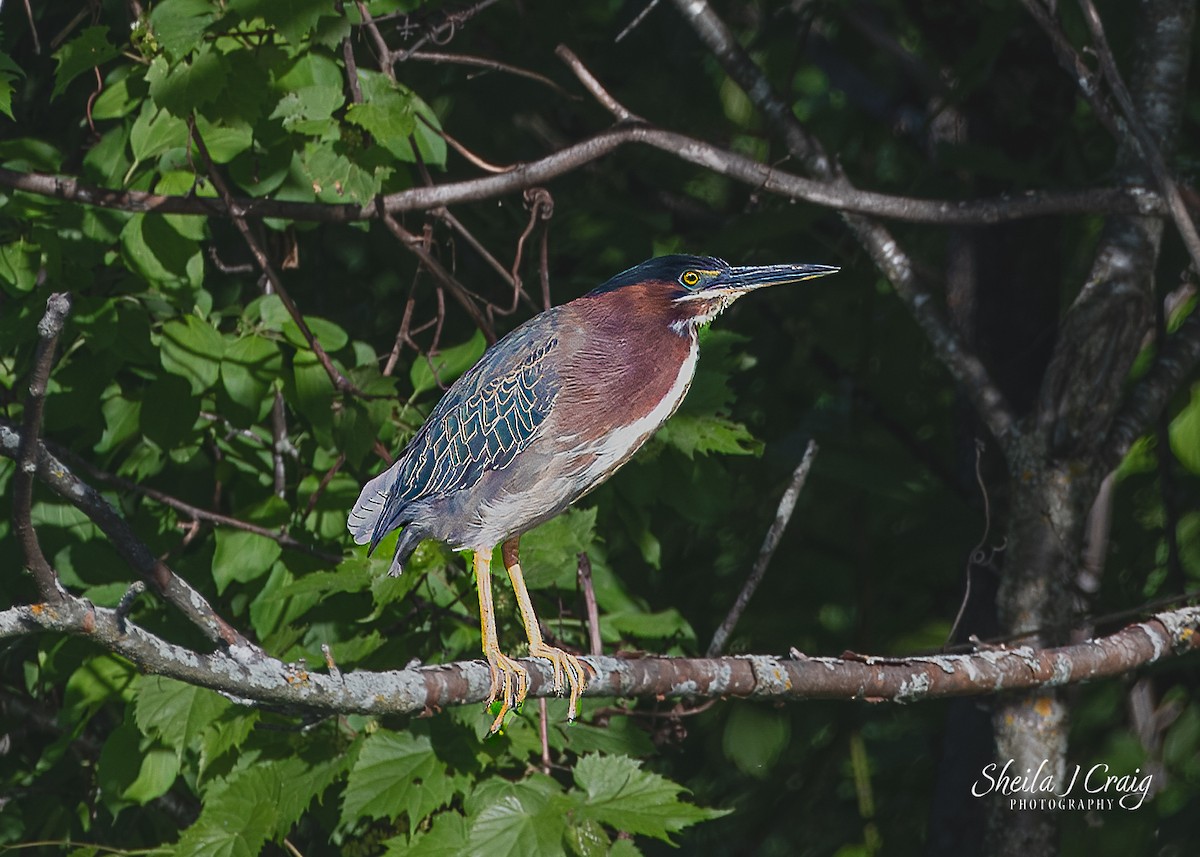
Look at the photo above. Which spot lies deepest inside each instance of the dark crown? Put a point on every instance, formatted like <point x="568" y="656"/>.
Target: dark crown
<point x="662" y="268"/>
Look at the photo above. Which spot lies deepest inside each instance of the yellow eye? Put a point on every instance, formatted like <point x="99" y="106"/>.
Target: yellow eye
<point x="690" y="278"/>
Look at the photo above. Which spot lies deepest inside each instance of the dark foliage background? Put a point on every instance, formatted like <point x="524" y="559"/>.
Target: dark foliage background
<point x="173" y="357"/>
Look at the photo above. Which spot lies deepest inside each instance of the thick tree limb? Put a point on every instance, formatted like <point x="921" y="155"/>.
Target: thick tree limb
<point x="249" y="676"/>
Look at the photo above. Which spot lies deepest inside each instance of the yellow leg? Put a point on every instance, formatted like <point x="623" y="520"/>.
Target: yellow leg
<point x="510" y="680"/>
<point x="564" y="663"/>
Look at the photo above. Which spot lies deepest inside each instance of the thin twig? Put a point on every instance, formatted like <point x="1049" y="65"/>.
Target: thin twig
<point x="340" y="381"/>
<point x="595" y="644"/>
<point x="592" y="85"/>
<point x="787" y="504"/>
<point x="490" y="64"/>
<point x="977" y="556"/>
<point x="457" y="290"/>
<point x="632" y="25"/>
<point x="280" y="444"/>
<point x="58" y="307"/>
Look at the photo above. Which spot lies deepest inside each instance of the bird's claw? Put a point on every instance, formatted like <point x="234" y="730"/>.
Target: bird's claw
<point x="564" y="663"/>
<point x="510" y="682"/>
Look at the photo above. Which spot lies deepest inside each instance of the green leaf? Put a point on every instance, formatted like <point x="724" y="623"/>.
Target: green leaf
<point x="513" y="819"/>
<point x="622" y="795"/>
<point x="396" y="772"/>
<point x="9" y="71"/>
<point x="154" y="131"/>
<point x="174" y="712"/>
<point x="121" y="422"/>
<point x="294" y="20"/>
<point x="97" y="680"/>
<point x="184" y="86"/>
<point x="120" y="96"/>
<point x="446" y="837"/>
<point x="179" y="24"/>
<point x="19" y="261"/>
<point x="158" y="772"/>
<point x="90" y="48"/>
<point x="248" y="368"/>
<point x="389" y="112"/>
<point x="336" y="178"/>
<point x="154" y="249"/>
<point x="192" y="349"/>
<point x="241" y="556"/>
<point x="709" y="433"/>
<point x="309" y="109"/>
<point x="448" y="364"/>
<point x="755" y="735"/>
<point x="652" y="626"/>
<point x="169" y="411"/>
<point x="1185" y="433"/>
<point x="549" y="553"/>
<point x="331" y="336"/>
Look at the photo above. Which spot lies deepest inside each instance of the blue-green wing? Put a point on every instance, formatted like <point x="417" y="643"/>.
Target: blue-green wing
<point x="482" y="423"/>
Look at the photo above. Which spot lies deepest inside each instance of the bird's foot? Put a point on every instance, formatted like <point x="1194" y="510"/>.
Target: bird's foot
<point x="510" y="683"/>
<point x="564" y="664"/>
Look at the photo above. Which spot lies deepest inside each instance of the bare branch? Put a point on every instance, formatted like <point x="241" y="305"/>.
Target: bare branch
<point x="787" y="504"/>
<point x="58" y="307"/>
<point x="340" y="381"/>
<point x="133" y="550"/>
<point x="1003" y="209"/>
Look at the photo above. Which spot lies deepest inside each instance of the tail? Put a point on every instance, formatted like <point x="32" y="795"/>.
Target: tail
<point x="365" y="517"/>
<point x="377" y="513"/>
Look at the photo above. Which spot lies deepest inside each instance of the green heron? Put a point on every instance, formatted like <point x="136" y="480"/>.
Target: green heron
<point x="547" y="414"/>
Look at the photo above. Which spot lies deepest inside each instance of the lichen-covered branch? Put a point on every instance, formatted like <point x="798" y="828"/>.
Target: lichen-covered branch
<point x="250" y="676"/>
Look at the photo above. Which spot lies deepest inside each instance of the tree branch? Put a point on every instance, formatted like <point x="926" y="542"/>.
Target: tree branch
<point x="58" y="307"/>
<point x="1003" y="209"/>
<point x="172" y="588"/>
<point x="251" y="677"/>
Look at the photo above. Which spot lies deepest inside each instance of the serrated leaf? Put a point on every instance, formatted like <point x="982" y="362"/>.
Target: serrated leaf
<point x="121" y="421"/>
<point x="336" y="178"/>
<point x="549" y="553"/>
<point x="9" y="71"/>
<point x="188" y="84"/>
<point x="620" y="794"/>
<point x="396" y="772"/>
<point x="255" y="804"/>
<point x="241" y="556"/>
<point x="228" y="732"/>
<point x="90" y="48"/>
<point x="754" y="737"/>
<point x="174" y="712"/>
<point x="447" y="364"/>
<point x="514" y="819"/>
<point x="294" y="20"/>
<point x="192" y="349"/>
<point x="154" y="131"/>
<point x="391" y="113"/>
<point x="708" y="433"/>
<point x="309" y="109"/>
<point x="179" y="24"/>
<point x="446" y="837"/>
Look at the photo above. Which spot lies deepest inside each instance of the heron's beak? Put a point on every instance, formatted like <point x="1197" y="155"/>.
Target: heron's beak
<point x="745" y="279"/>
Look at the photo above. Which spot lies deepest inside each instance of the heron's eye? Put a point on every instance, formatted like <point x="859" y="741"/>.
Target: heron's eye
<point x="690" y="279"/>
